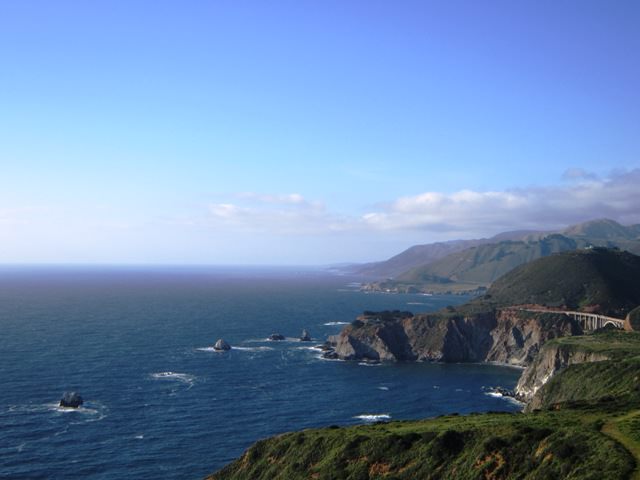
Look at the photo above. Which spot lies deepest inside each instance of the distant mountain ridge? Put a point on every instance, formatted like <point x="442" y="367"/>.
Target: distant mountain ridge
<point x="486" y="263"/>
<point x="419" y="255"/>
<point x="467" y="265"/>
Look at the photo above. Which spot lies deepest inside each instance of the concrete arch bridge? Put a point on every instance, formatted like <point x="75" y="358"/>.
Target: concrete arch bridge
<point x="588" y="321"/>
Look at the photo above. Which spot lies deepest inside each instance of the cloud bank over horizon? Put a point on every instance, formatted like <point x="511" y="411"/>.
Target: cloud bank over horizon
<point x="289" y="228"/>
<point x="583" y="196"/>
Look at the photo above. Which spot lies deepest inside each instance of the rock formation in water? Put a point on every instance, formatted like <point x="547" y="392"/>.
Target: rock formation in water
<point x="276" y="337"/>
<point x="71" y="400"/>
<point x="221" y="344"/>
<point x="305" y="337"/>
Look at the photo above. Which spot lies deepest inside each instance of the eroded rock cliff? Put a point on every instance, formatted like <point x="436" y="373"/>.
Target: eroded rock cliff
<point x="510" y="336"/>
<point x="551" y="359"/>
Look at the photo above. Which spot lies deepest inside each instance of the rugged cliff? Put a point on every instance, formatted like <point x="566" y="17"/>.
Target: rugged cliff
<point x="553" y="358"/>
<point x="596" y="367"/>
<point x="470" y="333"/>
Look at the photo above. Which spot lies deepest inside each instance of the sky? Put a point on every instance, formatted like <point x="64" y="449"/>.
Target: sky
<point x="308" y="132"/>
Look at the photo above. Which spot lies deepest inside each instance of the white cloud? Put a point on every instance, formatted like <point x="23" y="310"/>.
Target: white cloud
<point x="465" y="213"/>
<point x="276" y="214"/>
<point x="474" y="212"/>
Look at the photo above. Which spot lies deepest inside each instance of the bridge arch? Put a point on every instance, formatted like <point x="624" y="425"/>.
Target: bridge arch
<point x="612" y="323"/>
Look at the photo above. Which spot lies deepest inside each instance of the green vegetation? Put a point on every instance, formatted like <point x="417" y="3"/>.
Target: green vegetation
<point x="614" y="380"/>
<point x="626" y="430"/>
<point x="634" y="319"/>
<point x="604" y="279"/>
<point x="563" y="444"/>
<point x="615" y="344"/>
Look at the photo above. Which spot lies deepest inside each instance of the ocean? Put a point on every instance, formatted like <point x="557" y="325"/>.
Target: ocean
<point x="136" y="342"/>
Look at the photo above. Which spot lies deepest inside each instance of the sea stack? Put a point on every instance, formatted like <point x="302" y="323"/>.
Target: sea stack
<point x="221" y="344"/>
<point x="305" y="337"/>
<point x="276" y="336"/>
<point x="71" y="400"/>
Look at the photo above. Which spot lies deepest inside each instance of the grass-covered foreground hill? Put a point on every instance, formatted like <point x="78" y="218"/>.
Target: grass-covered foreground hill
<point x="567" y="444"/>
<point x="587" y="427"/>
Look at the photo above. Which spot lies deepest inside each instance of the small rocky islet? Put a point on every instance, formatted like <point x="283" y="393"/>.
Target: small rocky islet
<point x="71" y="400"/>
<point x="221" y="345"/>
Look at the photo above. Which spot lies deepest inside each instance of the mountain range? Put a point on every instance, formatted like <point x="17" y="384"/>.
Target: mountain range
<point x="464" y="265"/>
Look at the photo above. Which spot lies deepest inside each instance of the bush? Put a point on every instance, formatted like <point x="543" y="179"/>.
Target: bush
<point x="448" y="444"/>
<point x="494" y="443"/>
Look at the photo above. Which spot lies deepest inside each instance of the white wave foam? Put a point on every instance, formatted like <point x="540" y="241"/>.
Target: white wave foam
<point x="322" y="357"/>
<point x="383" y="388"/>
<point x="374" y="417"/>
<point x="139" y="437"/>
<point x="369" y="364"/>
<point x="89" y="412"/>
<point x="252" y="349"/>
<point x="85" y="410"/>
<point x="504" y="397"/>
<point x="416" y="303"/>
<point x="210" y="349"/>
<point x="311" y="349"/>
<point x="265" y="340"/>
<point x="330" y="324"/>
<point x="179" y="377"/>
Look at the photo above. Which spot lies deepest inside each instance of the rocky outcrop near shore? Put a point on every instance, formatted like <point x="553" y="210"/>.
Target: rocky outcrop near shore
<point x="509" y="336"/>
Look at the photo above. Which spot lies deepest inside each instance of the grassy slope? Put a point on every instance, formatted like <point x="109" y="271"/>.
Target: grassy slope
<point x="564" y="444"/>
<point x="618" y="378"/>
<point x="625" y="429"/>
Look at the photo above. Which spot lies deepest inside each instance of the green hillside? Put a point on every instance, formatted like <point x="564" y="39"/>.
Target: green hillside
<point x="607" y="280"/>
<point x="449" y="267"/>
<point x="614" y="380"/>
<point x="486" y="263"/>
<point x="564" y="444"/>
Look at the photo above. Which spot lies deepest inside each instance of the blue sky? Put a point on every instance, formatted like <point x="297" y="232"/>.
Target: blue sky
<point x="309" y="132"/>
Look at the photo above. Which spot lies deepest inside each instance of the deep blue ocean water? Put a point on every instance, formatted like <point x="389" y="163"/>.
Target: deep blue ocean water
<point x="134" y="342"/>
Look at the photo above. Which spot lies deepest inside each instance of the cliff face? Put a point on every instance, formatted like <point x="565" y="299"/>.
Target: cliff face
<point x="551" y="359"/>
<point x="518" y="336"/>
<point x="507" y="336"/>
